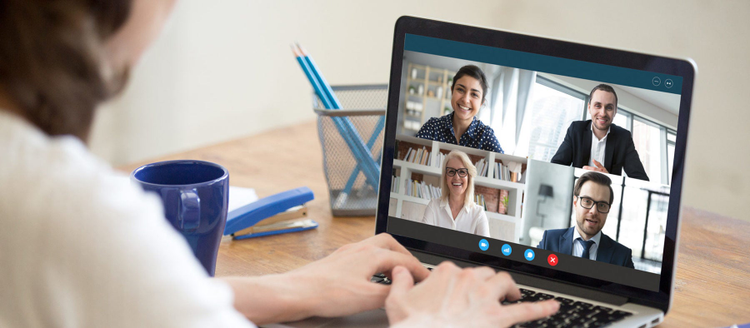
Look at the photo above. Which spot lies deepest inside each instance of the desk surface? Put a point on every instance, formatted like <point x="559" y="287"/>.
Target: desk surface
<point x="712" y="286"/>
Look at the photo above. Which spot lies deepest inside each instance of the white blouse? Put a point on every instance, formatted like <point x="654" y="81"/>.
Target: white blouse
<point x="80" y="246"/>
<point x="471" y="219"/>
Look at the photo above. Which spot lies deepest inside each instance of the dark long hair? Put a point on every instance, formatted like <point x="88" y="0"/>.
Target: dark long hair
<point x="52" y="61"/>
<point x="476" y="73"/>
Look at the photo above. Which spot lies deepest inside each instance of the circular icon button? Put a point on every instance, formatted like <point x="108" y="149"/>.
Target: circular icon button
<point x="484" y="244"/>
<point x="656" y="81"/>
<point x="668" y="83"/>
<point x="552" y="259"/>
<point x="528" y="254"/>
<point x="506" y="249"/>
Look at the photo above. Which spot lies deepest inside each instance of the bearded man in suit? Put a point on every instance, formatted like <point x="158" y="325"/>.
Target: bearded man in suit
<point x="592" y="201"/>
<point x="599" y="145"/>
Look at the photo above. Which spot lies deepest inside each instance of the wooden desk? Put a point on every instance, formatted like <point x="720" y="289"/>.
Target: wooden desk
<point x="713" y="275"/>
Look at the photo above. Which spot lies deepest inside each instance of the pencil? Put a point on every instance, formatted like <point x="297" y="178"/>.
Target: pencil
<point x="323" y="83"/>
<point x="346" y="129"/>
<point x="337" y="105"/>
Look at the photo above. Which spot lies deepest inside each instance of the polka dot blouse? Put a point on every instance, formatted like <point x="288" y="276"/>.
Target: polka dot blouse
<point x="479" y="135"/>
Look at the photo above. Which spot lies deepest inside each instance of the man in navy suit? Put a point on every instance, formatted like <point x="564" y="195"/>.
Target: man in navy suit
<point x="599" y="145"/>
<point x="591" y="201"/>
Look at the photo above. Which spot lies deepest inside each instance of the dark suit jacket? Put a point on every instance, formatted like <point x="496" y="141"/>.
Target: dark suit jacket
<point x="609" y="251"/>
<point x="619" y="153"/>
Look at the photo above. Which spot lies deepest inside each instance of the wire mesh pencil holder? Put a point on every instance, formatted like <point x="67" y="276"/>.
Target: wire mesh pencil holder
<point x="362" y="120"/>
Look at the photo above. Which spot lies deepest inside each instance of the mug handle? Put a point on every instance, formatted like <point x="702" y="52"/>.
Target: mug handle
<point x="189" y="215"/>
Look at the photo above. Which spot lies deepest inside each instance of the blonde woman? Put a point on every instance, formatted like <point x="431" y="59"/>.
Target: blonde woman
<point x="456" y="209"/>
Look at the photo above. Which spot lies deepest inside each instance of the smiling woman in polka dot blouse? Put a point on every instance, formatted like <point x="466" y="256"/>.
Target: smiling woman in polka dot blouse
<point x="461" y="127"/>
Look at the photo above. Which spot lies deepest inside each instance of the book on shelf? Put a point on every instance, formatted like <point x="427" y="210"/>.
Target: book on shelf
<point x="478" y="166"/>
<point x="510" y="172"/>
<point x="418" y="156"/>
<point x="440" y="158"/>
<point x="420" y="189"/>
<point x="479" y="200"/>
<point x="482" y="167"/>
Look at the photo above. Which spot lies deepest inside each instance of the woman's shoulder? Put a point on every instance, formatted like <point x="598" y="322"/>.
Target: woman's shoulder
<point x="55" y="185"/>
<point x="475" y="210"/>
<point x="437" y="121"/>
<point x="434" y="202"/>
<point x="484" y="127"/>
<point x="432" y="128"/>
<point x="59" y="180"/>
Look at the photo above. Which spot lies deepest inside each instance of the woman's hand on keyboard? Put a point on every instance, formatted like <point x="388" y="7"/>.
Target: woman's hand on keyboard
<point x="455" y="297"/>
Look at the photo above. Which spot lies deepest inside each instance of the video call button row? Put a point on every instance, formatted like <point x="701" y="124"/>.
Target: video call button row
<point x="529" y="254"/>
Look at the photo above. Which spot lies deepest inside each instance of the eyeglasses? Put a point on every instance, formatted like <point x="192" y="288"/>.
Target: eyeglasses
<point x="588" y="203"/>
<point x="462" y="173"/>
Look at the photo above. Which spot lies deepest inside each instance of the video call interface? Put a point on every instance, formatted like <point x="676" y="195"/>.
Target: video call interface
<point x="562" y="169"/>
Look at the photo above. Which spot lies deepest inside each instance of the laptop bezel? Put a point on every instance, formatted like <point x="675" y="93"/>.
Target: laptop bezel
<point x="564" y="49"/>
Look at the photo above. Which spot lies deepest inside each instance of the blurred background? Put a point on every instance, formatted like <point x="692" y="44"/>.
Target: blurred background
<point x="224" y="70"/>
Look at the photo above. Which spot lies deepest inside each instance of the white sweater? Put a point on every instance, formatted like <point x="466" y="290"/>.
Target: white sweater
<point x="82" y="247"/>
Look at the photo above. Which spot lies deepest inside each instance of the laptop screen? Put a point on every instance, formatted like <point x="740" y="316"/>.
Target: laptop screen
<point x="546" y="157"/>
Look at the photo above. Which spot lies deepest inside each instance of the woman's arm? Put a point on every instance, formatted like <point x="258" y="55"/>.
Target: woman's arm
<point x="455" y="297"/>
<point x="336" y="285"/>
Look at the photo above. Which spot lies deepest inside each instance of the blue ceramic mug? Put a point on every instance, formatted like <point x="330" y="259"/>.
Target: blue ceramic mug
<point x="195" y="196"/>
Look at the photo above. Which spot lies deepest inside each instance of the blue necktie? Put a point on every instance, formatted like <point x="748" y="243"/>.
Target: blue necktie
<point x="586" y="246"/>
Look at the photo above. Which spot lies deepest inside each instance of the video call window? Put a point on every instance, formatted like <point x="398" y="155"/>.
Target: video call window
<point x="525" y="118"/>
<point x="644" y="203"/>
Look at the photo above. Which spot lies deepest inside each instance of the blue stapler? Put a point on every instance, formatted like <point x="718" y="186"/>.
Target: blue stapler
<point x="276" y="214"/>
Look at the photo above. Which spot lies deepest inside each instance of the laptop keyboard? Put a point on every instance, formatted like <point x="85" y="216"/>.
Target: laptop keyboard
<point x="572" y="313"/>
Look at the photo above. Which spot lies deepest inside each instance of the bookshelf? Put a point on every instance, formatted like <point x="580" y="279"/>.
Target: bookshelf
<point x="427" y="95"/>
<point x="502" y="226"/>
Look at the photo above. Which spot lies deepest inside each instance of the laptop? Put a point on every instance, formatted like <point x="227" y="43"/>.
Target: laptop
<point x="553" y="118"/>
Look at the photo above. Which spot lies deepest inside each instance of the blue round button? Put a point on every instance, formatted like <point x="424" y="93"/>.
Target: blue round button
<point x="507" y="249"/>
<point x="656" y="81"/>
<point x="528" y="254"/>
<point x="484" y="244"/>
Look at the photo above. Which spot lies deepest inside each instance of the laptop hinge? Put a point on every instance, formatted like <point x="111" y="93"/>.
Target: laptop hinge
<point x="524" y="279"/>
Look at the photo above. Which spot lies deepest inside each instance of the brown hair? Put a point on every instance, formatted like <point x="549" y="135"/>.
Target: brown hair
<point x="52" y="59"/>
<point x="476" y="73"/>
<point x="597" y="178"/>
<point x="605" y="88"/>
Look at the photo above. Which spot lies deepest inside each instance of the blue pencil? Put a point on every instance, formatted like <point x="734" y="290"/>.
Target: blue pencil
<point x="323" y="83"/>
<point x="346" y="129"/>
<point x="370" y="143"/>
<point x="336" y="104"/>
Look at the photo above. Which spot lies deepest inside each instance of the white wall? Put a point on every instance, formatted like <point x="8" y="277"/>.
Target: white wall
<point x="223" y="69"/>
